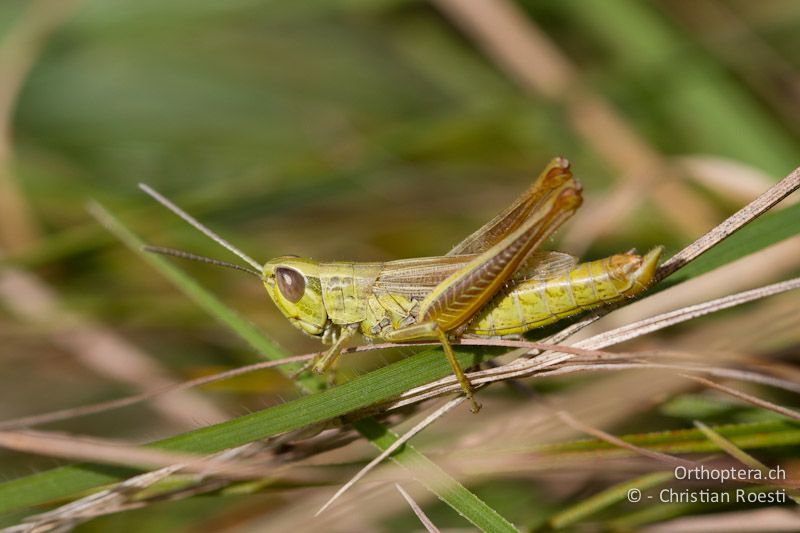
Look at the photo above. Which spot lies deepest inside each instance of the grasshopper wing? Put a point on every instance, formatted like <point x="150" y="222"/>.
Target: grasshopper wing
<point x="545" y="265"/>
<point x="515" y="234"/>
<point x="528" y="204"/>
<point x="456" y="299"/>
<point x="417" y="277"/>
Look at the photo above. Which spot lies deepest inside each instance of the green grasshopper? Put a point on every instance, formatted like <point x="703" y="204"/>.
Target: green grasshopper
<point x="493" y="284"/>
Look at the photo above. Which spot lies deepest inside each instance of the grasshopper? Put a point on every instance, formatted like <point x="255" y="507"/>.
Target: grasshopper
<point x="495" y="283"/>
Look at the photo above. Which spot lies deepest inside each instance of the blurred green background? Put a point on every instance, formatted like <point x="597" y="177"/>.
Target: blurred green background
<point x="363" y="130"/>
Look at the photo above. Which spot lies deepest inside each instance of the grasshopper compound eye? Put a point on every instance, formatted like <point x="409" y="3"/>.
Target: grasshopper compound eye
<point x="291" y="283"/>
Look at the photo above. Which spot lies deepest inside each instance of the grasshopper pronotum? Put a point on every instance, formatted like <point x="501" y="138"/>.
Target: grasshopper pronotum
<point x="494" y="283"/>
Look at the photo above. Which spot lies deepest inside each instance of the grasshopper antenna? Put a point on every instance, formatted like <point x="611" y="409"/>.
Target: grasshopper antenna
<point x="200" y="258"/>
<point x="200" y="227"/>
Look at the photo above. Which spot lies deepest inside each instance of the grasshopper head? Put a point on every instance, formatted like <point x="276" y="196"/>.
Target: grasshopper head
<point x="293" y="284"/>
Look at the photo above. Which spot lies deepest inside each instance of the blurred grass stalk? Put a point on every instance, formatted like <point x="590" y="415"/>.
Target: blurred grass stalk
<point x="701" y="99"/>
<point x="721" y="117"/>
<point x="20" y="48"/>
<point x="28" y="297"/>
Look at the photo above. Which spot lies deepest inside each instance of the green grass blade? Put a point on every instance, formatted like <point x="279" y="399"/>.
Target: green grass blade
<point x="608" y="497"/>
<point x="730" y="448"/>
<point x="466" y="503"/>
<point x="256" y="338"/>
<point x="362" y="392"/>
<point x="756" y="435"/>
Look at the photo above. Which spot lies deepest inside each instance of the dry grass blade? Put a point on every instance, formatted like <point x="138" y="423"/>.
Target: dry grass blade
<point x="74" y="412"/>
<point x="115" y="499"/>
<point x="729" y="226"/>
<point x="745" y="215"/>
<point x="429" y="526"/>
<point x="543" y="366"/>
<point x="741" y="375"/>
<point x="784" y="411"/>
<point x="525" y="367"/>
<point x="120" y="497"/>
<point x="120" y="453"/>
<point x="665" y="320"/>
<point x="86" y="410"/>
<point x="392" y="448"/>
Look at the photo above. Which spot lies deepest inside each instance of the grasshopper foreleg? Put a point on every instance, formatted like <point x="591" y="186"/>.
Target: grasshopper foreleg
<point x="323" y="363"/>
<point x="325" y="360"/>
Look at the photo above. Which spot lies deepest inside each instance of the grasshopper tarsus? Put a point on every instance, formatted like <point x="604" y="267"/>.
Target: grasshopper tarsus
<point x="476" y="406"/>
